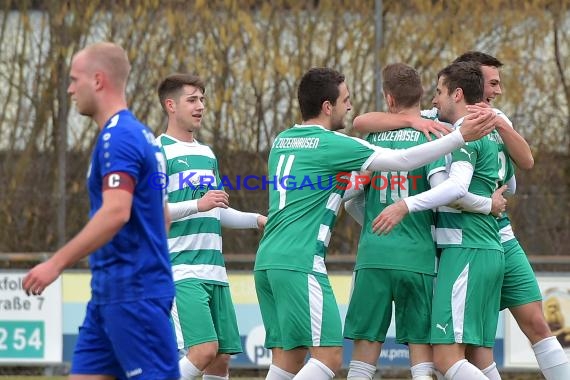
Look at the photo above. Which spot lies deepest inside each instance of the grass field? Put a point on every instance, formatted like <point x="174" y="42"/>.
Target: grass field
<point x="505" y="376"/>
<point x="510" y="376"/>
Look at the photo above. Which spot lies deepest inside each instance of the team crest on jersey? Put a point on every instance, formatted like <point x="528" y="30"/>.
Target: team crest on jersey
<point x="199" y="192"/>
<point x="196" y="181"/>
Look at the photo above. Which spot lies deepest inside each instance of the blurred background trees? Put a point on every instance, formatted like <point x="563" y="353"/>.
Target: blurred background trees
<point x="252" y="54"/>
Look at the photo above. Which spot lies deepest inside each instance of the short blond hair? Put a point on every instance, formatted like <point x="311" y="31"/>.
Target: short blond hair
<point x="110" y="58"/>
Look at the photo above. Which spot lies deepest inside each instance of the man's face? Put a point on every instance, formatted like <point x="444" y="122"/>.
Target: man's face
<point x="444" y="103"/>
<point x="492" y="80"/>
<point x="82" y="85"/>
<point x="189" y="108"/>
<point x="341" y="108"/>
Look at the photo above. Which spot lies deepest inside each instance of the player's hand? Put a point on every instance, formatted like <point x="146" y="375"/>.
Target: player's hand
<point x="213" y="199"/>
<point x="478" y="124"/>
<point x="498" y="202"/>
<point x="261" y="221"/>
<point x="500" y="123"/>
<point x="39" y="277"/>
<point x="390" y="217"/>
<point x="477" y="107"/>
<point x="427" y="126"/>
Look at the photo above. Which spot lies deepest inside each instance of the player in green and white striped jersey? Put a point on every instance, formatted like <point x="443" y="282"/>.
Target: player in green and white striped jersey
<point x="398" y="268"/>
<point x="520" y="292"/>
<point x="296" y="300"/>
<point x="203" y="313"/>
<point x="407" y="255"/>
<point x="467" y="294"/>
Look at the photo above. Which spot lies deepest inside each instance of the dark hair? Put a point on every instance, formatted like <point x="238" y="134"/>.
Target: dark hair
<point x="467" y="76"/>
<point x="403" y="83"/>
<point x="480" y="57"/>
<point x="172" y="85"/>
<point x="318" y="85"/>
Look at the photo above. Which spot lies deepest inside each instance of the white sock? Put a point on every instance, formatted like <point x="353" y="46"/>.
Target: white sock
<point x="214" y="377"/>
<point x="491" y="372"/>
<point x="551" y="359"/>
<point x="314" y="370"/>
<point x="188" y="371"/>
<point x="463" y="370"/>
<point x="422" y="371"/>
<point x="276" y="373"/>
<point x="358" y="370"/>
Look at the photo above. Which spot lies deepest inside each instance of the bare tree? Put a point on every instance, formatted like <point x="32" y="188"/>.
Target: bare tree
<point x="252" y="55"/>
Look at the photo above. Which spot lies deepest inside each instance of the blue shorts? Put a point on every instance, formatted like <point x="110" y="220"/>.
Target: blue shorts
<point x="130" y="340"/>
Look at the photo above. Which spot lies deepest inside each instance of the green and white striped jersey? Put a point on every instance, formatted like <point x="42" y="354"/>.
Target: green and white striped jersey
<point x="472" y="230"/>
<point x="506" y="172"/>
<point x="410" y="245"/>
<point x="195" y="241"/>
<point x="305" y="195"/>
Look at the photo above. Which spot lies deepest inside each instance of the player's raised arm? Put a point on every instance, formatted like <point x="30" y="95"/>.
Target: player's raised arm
<point x="475" y="126"/>
<point x="382" y="121"/>
<point x="518" y="148"/>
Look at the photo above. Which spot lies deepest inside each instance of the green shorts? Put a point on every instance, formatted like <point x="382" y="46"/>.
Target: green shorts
<point x="298" y="309"/>
<point x="370" y="309"/>
<point x="519" y="285"/>
<point x="467" y="296"/>
<point x="203" y="313"/>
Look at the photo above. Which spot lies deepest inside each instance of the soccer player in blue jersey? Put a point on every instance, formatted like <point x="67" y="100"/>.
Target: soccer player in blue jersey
<point x="126" y="332"/>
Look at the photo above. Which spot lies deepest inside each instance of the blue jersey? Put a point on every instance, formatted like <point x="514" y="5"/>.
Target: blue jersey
<point x="134" y="265"/>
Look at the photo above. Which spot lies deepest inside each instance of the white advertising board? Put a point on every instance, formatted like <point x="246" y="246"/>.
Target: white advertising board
<point x="556" y="308"/>
<point x="30" y="326"/>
